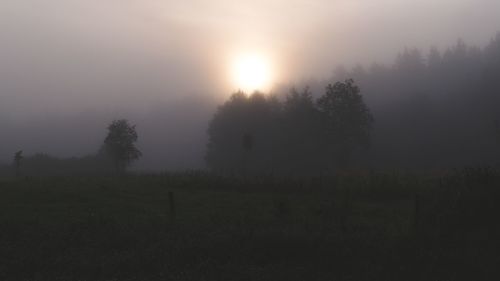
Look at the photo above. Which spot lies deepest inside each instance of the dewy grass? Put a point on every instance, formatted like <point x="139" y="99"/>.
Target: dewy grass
<point x="346" y="228"/>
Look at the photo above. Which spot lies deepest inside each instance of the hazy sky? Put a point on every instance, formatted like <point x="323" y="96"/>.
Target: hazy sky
<point x="67" y="56"/>
<point x="93" y="51"/>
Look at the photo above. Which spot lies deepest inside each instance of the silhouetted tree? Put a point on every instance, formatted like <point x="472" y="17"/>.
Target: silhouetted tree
<point x="300" y="129"/>
<point x="410" y="62"/>
<point x="346" y="120"/>
<point x="292" y="134"/>
<point x="120" y="144"/>
<point x="433" y="111"/>
<point x="434" y="59"/>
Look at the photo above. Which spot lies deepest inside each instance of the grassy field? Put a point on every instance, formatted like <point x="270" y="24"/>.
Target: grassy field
<point x="351" y="227"/>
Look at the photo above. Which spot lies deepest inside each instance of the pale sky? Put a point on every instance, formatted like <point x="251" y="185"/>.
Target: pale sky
<point x="88" y="52"/>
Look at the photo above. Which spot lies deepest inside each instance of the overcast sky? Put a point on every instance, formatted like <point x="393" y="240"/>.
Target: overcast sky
<point x="67" y="56"/>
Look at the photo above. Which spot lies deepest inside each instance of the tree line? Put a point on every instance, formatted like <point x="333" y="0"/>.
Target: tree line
<point x="117" y="152"/>
<point x="438" y="110"/>
<point x="434" y="110"/>
<point x="297" y="134"/>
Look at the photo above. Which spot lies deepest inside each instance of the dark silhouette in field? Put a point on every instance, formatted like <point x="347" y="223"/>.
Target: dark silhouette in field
<point x="297" y="135"/>
<point x="120" y="144"/>
<point x="247" y="142"/>
<point x="18" y="157"/>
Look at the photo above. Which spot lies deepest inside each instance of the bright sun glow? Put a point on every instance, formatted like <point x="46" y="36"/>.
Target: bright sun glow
<point x="251" y="73"/>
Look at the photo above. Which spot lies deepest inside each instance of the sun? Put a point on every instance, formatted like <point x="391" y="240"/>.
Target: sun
<point x="251" y="73"/>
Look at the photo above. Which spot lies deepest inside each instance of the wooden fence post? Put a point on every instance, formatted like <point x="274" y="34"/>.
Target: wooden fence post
<point x="171" y="204"/>
<point x="416" y="215"/>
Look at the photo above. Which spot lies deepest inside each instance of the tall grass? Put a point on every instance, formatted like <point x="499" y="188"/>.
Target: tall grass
<point x="340" y="227"/>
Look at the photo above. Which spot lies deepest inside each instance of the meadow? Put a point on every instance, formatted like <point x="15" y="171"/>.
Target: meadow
<point x="201" y="226"/>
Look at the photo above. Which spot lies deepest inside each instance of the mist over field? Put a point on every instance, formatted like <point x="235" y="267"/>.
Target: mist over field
<point x="67" y="68"/>
<point x="249" y="140"/>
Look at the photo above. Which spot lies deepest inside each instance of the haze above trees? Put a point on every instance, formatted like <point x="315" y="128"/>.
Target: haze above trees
<point x="433" y="110"/>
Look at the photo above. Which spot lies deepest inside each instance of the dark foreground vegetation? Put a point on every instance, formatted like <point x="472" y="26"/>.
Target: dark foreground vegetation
<point x="198" y="226"/>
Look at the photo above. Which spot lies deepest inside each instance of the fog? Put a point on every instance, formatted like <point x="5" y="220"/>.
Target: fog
<point x="69" y="67"/>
